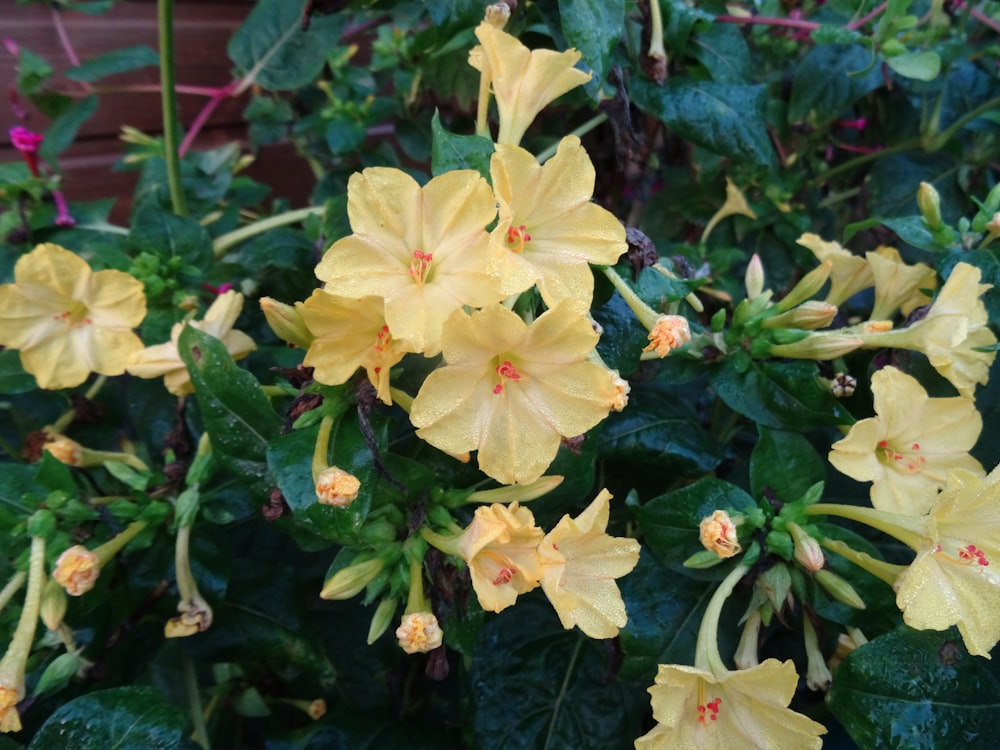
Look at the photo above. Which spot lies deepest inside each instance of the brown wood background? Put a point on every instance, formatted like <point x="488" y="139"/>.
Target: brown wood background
<point x="202" y="31"/>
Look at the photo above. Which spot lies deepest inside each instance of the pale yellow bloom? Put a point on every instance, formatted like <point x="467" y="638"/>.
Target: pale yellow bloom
<point x="10" y="719"/>
<point x="908" y="447"/>
<point x="337" y="487"/>
<point x="698" y="710"/>
<point x="286" y="322"/>
<point x="68" y="321"/>
<point x="668" y="333"/>
<point x="422" y="249"/>
<point x="419" y="633"/>
<point x="580" y="563"/>
<point x="524" y="81"/>
<point x="77" y="570"/>
<point x="348" y="334"/>
<point x="954" y="579"/>
<point x="717" y="533"/>
<point x="549" y="231"/>
<point x="897" y="284"/>
<point x="165" y="359"/>
<point x="512" y="391"/>
<point x="849" y="274"/>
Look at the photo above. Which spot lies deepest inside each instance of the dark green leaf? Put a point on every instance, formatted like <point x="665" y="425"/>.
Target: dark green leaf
<point x="968" y="86"/>
<point x="624" y="337"/>
<point x="827" y="83"/>
<point x="913" y="231"/>
<point x="116" y="61"/>
<point x="236" y="413"/>
<point x="125" y="718"/>
<point x="453" y="12"/>
<point x="786" y="462"/>
<point x="919" y="690"/>
<point x="827" y="34"/>
<point x="723" y="51"/>
<point x="177" y="241"/>
<point x="13" y="378"/>
<point x="450" y="151"/>
<point x="272" y="50"/>
<point x="280" y="248"/>
<point x="593" y="27"/>
<point x="783" y="395"/>
<point x="63" y="129"/>
<point x="552" y="685"/>
<point x="894" y="181"/>
<point x="725" y="118"/>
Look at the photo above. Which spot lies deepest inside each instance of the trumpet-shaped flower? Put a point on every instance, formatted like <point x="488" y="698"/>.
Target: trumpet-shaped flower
<point x="696" y="709"/>
<point x="512" y="391"/>
<point x="349" y="334"/>
<point x="422" y="249"/>
<point x="524" y="81"/>
<point x="67" y="320"/>
<point x="165" y="359"/>
<point x="580" y="563"/>
<point x="908" y="447"/>
<point x="898" y="285"/>
<point x="849" y="274"/>
<point x="549" y="231"/>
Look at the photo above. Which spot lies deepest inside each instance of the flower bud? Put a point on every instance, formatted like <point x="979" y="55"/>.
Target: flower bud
<point x="929" y="203"/>
<point x="10" y="719"/>
<point x="351" y="581"/>
<point x="818" y="346"/>
<point x="718" y="534"/>
<point x="839" y="589"/>
<point x="807" y="550"/>
<point x="65" y="450"/>
<point x="669" y="332"/>
<point x="384" y="614"/>
<point x="818" y="675"/>
<point x="77" y="570"/>
<point x="521" y="493"/>
<point x="419" y="632"/>
<point x="808" y="316"/>
<point x="54" y="603"/>
<point x="746" y="655"/>
<point x="336" y="487"/>
<point x="497" y="15"/>
<point x="808" y="285"/>
<point x="286" y="322"/>
<point x="753" y="280"/>
<point x="702" y="560"/>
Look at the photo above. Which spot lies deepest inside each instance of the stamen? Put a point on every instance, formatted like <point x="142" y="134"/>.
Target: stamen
<point x="420" y="266"/>
<point x="382" y="340"/>
<point x="516" y="238"/>
<point x="506" y="371"/>
<point x="709" y="709"/>
<point x="967" y="555"/>
<point x="504" y="576"/>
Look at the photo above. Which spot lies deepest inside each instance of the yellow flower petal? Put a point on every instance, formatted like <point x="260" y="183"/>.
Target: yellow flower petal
<point x="850" y="273"/>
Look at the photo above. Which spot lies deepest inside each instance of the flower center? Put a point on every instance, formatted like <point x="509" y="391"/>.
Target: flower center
<point x="905" y="461"/>
<point x="970" y="554"/>
<point x="75" y="317"/>
<point x="708" y="711"/>
<point x="420" y="266"/>
<point x="506" y="371"/>
<point x="516" y="238"/>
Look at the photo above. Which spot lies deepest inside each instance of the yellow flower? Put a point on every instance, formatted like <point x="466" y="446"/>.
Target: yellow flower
<point x="524" y="81"/>
<point x="351" y="333"/>
<point x="419" y="633"/>
<point x="954" y="580"/>
<point x="718" y="534"/>
<point x="68" y="321"/>
<point x="165" y="360"/>
<point x="949" y="334"/>
<point x="669" y="332"/>
<point x="908" y="447"/>
<point x="898" y="285"/>
<point x="850" y="273"/>
<point x="336" y="487"/>
<point x="512" y="391"/>
<point x="549" y="230"/>
<point x="77" y="570"/>
<point x="422" y="249"/>
<point x="286" y="322"/>
<point x="10" y="719"/>
<point x="580" y="563"/>
<point x="698" y="710"/>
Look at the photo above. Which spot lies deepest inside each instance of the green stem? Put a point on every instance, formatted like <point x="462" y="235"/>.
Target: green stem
<point x="707" y="656"/>
<point x="200" y="733"/>
<point x="945" y="135"/>
<point x="321" y="451"/>
<point x="656" y="49"/>
<point x="643" y="312"/>
<point x="225" y="241"/>
<point x="168" y="98"/>
<point x="847" y="166"/>
<point x="910" y="530"/>
<point x="589" y="125"/>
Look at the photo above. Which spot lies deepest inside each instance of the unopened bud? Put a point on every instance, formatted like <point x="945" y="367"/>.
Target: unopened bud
<point x="669" y="332"/>
<point x="497" y="15"/>
<point x="77" y="570"/>
<point x="286" y="322"/>
<point x="54" y="603"/>
<point x="839" y="589"/>
<point x="808" y="286"/>
<point x="718" y="535"/>
<point x="753" y="280"/>
<point x="520" y="493"/>
<point x="746" y="655"/>
<point x="818" y="346"/>
<point x="195" y="617"/>
<point x="337" y="487"/>
<point x="64" y="450"/>
<point x="351" y="581"/>
<point x="807" y="550"/>
<point x="808" y="316"/>
<point x="419" y="632"/>
<point x="10" y="719"/>
<point x="929" y="203"/>
<point x="384" y="614"/>
<point x="818" y="675"/>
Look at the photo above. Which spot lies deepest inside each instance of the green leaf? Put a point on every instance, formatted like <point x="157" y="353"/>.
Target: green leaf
<point x="552" y="685"/>
<point x="659" y="432"/>
<point x="783" y="395"/>
<point x="920" y="66"/>
<point x="786" y="462"/>
<point x="830" y="34"/>
<point x="272" y="50"/>
<point x="670" y="522"/>
<point x="13" y="378"/>
<point x="593" y="27"/>
<point x="179" y="242"/>
<point x="828" y="81"/>
<point x="913" y="231"/>
<point x="450" y="151"/>
<point x="236" y="413"/>
<point x="117" y="61"/>
<point x="624" y="337"/>
<point x="723" y="51"/>
<point x="124" y="718"/>
<point x="725" y="118"/>
<point x="894" y="180"/>
<point x="919" y="690"/>
<point x="452" y="13"/>
<point x="63" y="129"/>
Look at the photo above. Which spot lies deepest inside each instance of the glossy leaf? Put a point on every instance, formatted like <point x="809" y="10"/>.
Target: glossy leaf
<point x="450" y="151"/>
<point x="847" y="74"/>
<point x="13" y="378"/>
<point x="593" y="27"/>
<point x="180" y="243"/>
<point x="786" y="463"/>
<point x="117" y="61"/>
<point x="723" y="51"/>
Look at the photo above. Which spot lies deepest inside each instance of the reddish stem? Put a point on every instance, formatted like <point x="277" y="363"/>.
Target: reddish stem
<point x="205" y="113"/>
<point x="769" y="21"/>
<point x="865" y="19"/>
<point x="67" y="45"/>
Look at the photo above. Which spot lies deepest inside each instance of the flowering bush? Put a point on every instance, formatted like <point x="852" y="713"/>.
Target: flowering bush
<point x="630" y="394"/>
